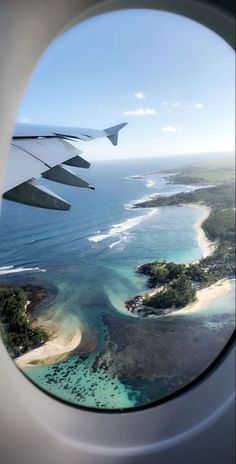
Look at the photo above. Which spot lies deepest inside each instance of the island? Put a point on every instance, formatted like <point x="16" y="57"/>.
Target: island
<point x="176" y="286"/>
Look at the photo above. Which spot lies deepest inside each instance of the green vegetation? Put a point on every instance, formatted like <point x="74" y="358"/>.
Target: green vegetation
<point x="210" y="172"/>
<point x="219" y="197"/>
<point x="17" y="333"/>
<point x="220" y="225"/>
<point x="177" y="294"/>
<point x="161" y="272"/>
<point x="178" y="282"/>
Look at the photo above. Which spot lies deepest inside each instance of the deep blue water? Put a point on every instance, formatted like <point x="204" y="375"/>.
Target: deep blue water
<point x="90" y="254"/>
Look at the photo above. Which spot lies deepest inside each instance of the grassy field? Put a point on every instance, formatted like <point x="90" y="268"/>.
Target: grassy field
<point x="210" y="172"/>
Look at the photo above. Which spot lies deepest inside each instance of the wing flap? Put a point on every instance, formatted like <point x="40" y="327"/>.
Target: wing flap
<point x="32" y="194"/>
<point x="64" y="175"/>
<point x="29" y="158"/>
<point x="77" y="162"/>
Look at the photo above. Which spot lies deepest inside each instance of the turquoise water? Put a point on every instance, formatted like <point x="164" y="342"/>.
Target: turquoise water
<point x="89" y="255"/>
<point x="78" y="383"/>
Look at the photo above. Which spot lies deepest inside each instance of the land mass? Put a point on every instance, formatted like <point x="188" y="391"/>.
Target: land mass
<point x="211" y="172"/>
<point x="16" y="327"/>
<point x="176" y="285"/>
<point x="30" y="338"/>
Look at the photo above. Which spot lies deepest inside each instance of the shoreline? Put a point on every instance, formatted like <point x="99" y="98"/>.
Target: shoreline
<point x="207" y="247"/>
<point x="204" y="296"/>
<point x="63" y="336"/>
<point x="63" y="341"/>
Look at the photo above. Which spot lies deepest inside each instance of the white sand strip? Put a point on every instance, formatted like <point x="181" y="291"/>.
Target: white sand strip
<point x="204" y="296"/>
<point x="204" y="243"/>
<point x="54" y="350"/>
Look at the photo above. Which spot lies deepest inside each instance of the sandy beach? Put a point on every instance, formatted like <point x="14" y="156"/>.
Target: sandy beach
<point x="63" y="341"/>
<point x="206" y="245"/>
<point x="204" y="296"/>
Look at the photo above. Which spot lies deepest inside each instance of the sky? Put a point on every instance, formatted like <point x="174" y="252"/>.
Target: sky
<point x="171" y="79"/>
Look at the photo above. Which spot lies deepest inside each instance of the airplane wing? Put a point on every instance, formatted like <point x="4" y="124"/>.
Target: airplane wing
<point x="40" y="151"/>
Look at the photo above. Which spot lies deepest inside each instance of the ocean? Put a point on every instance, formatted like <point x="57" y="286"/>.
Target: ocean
<point x="88" y="256"/>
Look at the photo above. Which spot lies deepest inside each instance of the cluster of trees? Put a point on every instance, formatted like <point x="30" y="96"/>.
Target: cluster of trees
<point x="160" y="273"/>
<point x="178" y="294"/>
<point x="180" y="281"/>
<point x="220" y="225"/>
<point x="219" y="265"/>
<point x="17" y="333"/>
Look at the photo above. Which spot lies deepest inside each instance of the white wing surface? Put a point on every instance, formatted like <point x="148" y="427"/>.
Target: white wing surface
<point x="40" y="151"/>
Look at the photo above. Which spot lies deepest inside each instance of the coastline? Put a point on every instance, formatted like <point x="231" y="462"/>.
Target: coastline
<point x="63" y="341"/>
<point x="204" y="243"/>
<point x="204" y="296"/>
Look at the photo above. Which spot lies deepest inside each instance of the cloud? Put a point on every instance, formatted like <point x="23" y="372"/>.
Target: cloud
<point x="198" y="106"/>
<point x="171" y="129"/>
<point x="140" y="112"/>
<point x="139" y="95"/>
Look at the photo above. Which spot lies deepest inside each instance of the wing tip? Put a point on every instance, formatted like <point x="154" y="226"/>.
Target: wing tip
<point x="112" y="132"/>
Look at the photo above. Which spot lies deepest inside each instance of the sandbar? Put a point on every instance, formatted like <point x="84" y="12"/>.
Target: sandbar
<point x="63" y="341"/>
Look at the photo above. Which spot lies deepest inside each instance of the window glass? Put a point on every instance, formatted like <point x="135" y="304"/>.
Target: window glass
<point x="129" y="296"/>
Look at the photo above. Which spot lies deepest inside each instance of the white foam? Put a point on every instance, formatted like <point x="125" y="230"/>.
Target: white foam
<point x="12" y="269"/>
<point x="98" y="238"/>
<point x="112" y="245"/>
<point x="150" y="183"/>
<point x="132" y="204"/>
<point x="135" y="177"/>
<point x="126" y="238"/>
<point x="119" y="230"/>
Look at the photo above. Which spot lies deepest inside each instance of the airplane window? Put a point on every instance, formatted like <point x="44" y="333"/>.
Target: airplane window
<point x="121" y="297"/>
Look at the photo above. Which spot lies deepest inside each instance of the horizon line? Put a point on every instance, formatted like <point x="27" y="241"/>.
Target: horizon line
<point x="221" y="152"/>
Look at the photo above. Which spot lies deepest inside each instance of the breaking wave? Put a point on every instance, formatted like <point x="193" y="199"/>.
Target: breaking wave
<point x="150" y="183"/>
<point x="14" y="269"/>
<point x="120" y="230"/>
